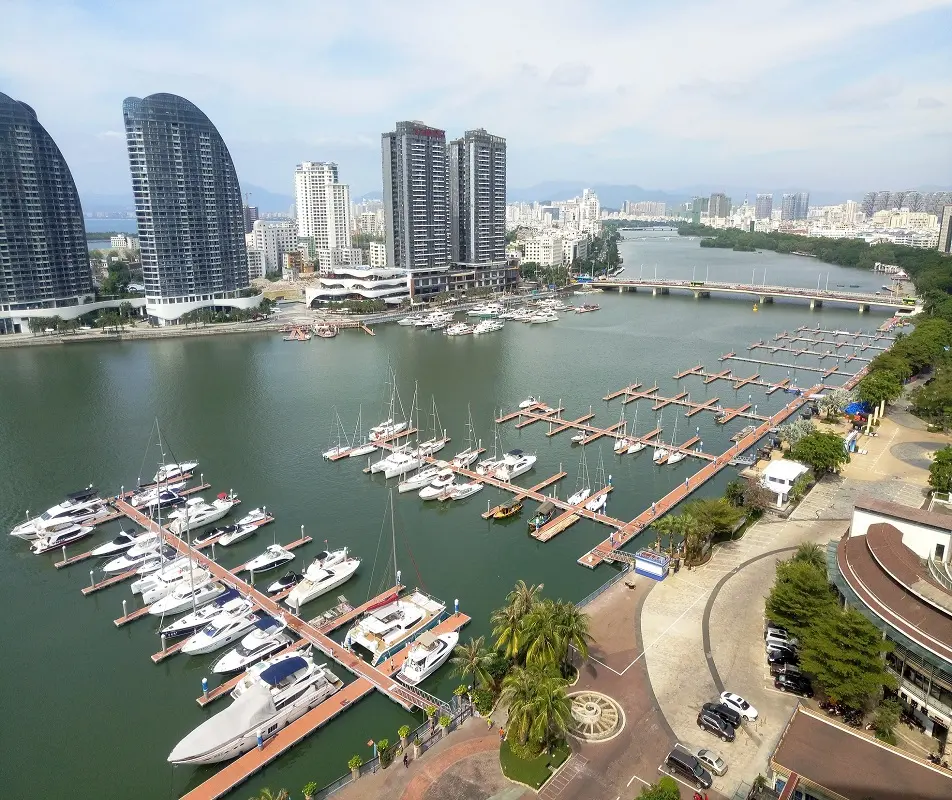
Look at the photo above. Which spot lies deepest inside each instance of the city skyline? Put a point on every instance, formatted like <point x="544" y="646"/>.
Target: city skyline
<point x="841" y="98"/>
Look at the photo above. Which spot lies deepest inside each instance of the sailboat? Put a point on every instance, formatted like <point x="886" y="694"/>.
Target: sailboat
<point x="598" y="503"/>
<point x="437" y="441"/>
<point x="675" y="455"/>
<point x="621" y="445"/>
<point x="342" y="445"/>
<point x="636" y="445"/>
<point x="471" y="453"/>
<point x="660" y="454"/>
<point x="361" y="447"/>
<point x="583" y="487"/>
<point x="489" y="465"/>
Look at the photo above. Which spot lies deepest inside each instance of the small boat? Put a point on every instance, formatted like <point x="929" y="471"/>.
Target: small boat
<point x="543" y="514"/>
<point x="660" y="455"/>
<point x="343" y="445"/>
<point x="222" y="631"/>
<point x="400" y="464"/>
<point x="165" y="498"/>
<point x="231" y="601"/>
<point x="132" y="558"/>
<point x="515" y="463"/>
<point x="579" y="437"/>
<point x="743" y="461"/>
<point x="153" y="495"/>
<point x="267" y="638"/>
<point x="157" y="560"/>
<point x="171" y="472"/>
<point x="674" y="456"/>
<point x="621" y="445"/>
<point x="583" y="486"/>
<point x="241" y="533"/>
<point x="507" y="510"/>
<point x="465" y="490"/>
<point x="185" y="596"/>
<point x="164" y="577"/>
<point x="362" y="450"/>
<point x="530" y="401"/>
<point x="419" y="479"/>
<point x="68" y="533"/>
<point x="320" y="579"/>
<point x="273" y="557"/>
<point x="254" y="517"/>
<point x="286" y="581"/>
<point x="215" y="533"/>
<point x="587" y="307"/>
<point x="636" y="447"/>
<point x="428" y="653"/>
<point x="124" y="541"/>
<point x="434" y="489"/>
<point x="386" y="429"/>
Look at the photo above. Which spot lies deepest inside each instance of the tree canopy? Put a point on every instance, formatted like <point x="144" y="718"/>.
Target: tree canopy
<point x="821" y="451"/>
<point x="800" y="594"/>
<point x="665" y="789"/>
<point x="940" y="470"/>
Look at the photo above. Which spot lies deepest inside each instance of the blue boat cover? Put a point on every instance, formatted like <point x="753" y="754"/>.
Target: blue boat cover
<point x="229" y="594"/>
<point x="276" y="673"/>
<point x="266" y="622"/>
<point x="856" y="408"/>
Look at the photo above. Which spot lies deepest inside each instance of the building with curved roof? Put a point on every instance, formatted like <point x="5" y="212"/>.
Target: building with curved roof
<point x="188" y="208"/>
<point x="44" y="261"/>
<point x="894" y="566"/>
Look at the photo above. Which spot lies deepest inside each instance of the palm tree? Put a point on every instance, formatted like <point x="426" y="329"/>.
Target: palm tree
<point x="267" y="794"/>
<point x="539" y="710"/>
<point x="472" y="659"/>
<point x="507" y="628"/>
<point x="572" y="628"/>
<point x="668" y="526"/>
<point x="522" y="598"/>
<point x="811" y="553"/>
<point x="543" y="646"/>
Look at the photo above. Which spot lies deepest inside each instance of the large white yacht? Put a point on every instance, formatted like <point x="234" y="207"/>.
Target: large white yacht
<point x="61" y="535"/>
<point x="428" y="654"/>
<point x="223" y="630"/>
<point x="187" y="594"/>
<point x="399" y="464"/>
<point x="381" y="631"/>
<point x="79" y="508"/>
<point x="196" y="513"/>
<point x="320" y="578"/>
<point x="171" y="472"/>
<point x="231" y="601"/>
<point x="287" y="689"/>
<point x="514" y="464"/>
<point x="268" y="637"/>
<point x="159" y="584"/>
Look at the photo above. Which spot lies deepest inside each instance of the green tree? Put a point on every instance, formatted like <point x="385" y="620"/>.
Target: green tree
<point x="543" y="645"/>
<point x="884" y="722"/>
<point x="940" y="470"/>
<point x="507" y="628"/>
<point x="118" y="277"/>
<point x="799" y="596"/>
<point x="880" y="385"/>
<point x="734" y="492"/>
<point x="757" y="497"/>
<point x="794" y="431"/>
<point x="539" y="709"/>
<point x="714" y="514"/>
<point x="665" y="789"/>
<point x="572" y="626"/>
<point x="822" y="452"/>
<point x="844" y="653"/>
<point x="268" y="794"/>
<point x="811" y="553"/>
<point x="472" y="659"/>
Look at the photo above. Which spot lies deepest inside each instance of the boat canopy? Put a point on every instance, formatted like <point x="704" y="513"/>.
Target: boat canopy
<point x="515" y="453"/>
<point x="276" y="673"/>
<point x="85" y="494"/>
<point x="267" y="623"/>
<point x="546" y="508"/>
<point x="512" y="504"/>
<point x="427" y="639"/>
<point x="228" y="596"/>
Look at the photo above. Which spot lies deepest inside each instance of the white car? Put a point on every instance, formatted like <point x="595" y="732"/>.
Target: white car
<point x="711" y="760"/>
<point x="739" y="704"/>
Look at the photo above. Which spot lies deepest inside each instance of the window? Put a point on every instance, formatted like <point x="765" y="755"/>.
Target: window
<point x="939" y="551"/>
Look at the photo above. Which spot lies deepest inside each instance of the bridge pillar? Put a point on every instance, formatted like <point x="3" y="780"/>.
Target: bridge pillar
<point x="863" y="308"/>
<point x="815" y="302"/>
<point x="654" y="291"/>
<point x="697" y="294"/>
<point x="765" y="298"/>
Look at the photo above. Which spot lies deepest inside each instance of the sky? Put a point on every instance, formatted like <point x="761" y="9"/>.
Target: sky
<point x="843" y="95"/>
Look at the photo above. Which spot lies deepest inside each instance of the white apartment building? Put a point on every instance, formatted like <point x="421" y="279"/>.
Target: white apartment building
<point x="329" y="259"/>
<point x="124" y="241"/>
<point x="255" y="263"/>
<point x="272" y="240"/>
<point x="378" y="254"/>
<point x="544" y="250"/>
<point x="323" y="207"/>
<point x="574" y="247"/>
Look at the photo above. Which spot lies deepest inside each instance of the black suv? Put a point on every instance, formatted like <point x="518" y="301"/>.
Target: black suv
<point x="797" y="684"/>
<point x="713" y="723"/>
<point x="777" y="656"/>
<point x="686" y="765"/>
<point x="726" y="713"/>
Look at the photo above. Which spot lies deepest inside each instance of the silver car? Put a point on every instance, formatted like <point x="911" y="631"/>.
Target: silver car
<point x="711" y="760"/>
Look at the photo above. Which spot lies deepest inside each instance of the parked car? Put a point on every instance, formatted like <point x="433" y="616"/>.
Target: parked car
<point x="783" y="667"/>
<point x="772" y="627"/>
<point x="797" y="684"/>
<point x="779" y="654"/>
<point x="739" y="704"/>
<point x="685" y="764"/>
<point x="711" y="760"/>
<point x="708" y="721"/>
<point x="729" y="715"/>
<point x="775" y="638"/>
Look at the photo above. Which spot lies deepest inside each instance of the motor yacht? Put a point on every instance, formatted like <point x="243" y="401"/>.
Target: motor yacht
<point x="214" y="534"/>
<point x="428" y="654"/>
<point x="320" y="579"/>
<point x="79" y="508"/>
<point x="515" y="463"/>
<point x="286" y="581"/>
<point x="157" y="495"/>
<point x="231" y="601"/>
<point x="124" y="541"/>
<point x="286" y="690"/>
<point x="419" y="479"/>
<point x="254" y="517"/>
<point x="196" y="513"/>
<point x="223" y="630"/>
<point x="434" y="488"/>
<point x="543" y="316"/>
<point x="408" y="321"/>
<point x="460" y="329"/>
<point x="273" y="557"/>
<point x="167" y="580"/>
<point x="186" y="595"/>
<point x="439" y="325"/>
<point x="488" y="326"/>
<point x="383" y="630"/>
<point x="269" y="636"/>
<point x="530" y="401"/>
<point x="169" y="566"/>
<point x="465" y="490"/>
<point x="156" y="560"/>
<point x="171" y="472"/>
<point x="400" y="464"/>
<point x="67" y="533"/>
<point x="242" y="532"/>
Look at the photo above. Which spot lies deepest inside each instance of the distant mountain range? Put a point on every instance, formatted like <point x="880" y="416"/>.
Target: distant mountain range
<point x="95" y="203"/>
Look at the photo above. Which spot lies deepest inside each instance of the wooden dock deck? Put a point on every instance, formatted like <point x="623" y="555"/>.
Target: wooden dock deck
<point x="826" y="372"/>
<point x="552" y="415"/>
<point x="567" y="518"/>
<point x="819" y="354"/>
<point x="861" y="346"/>
<point x="856" y="335"/>
<point x="529" y="492"/>
<point x="632" y="387"/>
<point x="563" y="425"/>
<point x="107" y="582"/>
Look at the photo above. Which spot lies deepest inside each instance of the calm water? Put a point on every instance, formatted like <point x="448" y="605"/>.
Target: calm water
<point x="96" y="225"/>
<point x="91" y="709"/>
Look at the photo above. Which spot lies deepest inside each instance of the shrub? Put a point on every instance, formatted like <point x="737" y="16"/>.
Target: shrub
<point x="444" y="721"/>
<point x="403" y="731"/>
<point x="483" y="700"/>
<point x="356" y="762"/>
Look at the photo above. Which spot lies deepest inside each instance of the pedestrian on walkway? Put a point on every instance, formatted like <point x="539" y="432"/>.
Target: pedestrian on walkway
<point x="489" y="722"/>
<point x="406" y="760"/>
<point x="502" y="735"/>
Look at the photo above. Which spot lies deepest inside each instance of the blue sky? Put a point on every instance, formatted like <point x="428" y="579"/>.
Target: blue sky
<point x="833" y="94"/>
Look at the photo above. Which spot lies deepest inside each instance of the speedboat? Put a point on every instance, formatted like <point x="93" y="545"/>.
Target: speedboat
<point x="151" y="496"/>
<point x="530" y="401"/>
<point x="419" y="480"/>
<point x="286" y="581"/>
<point x="273" y="557"/>
<point x="231" y="601"/>
<point x="514" y="464"/>
<point x="187" y="595"/>
<point x="283" y="692"/>
<point x="170" y="472"/>
<point x="196" y="513"/>
<point x="214" y="533"/>
<point x="124" y="541"/>
<point x="320" y="579"/>
<point x="268" y="637"/>
<point x="156" y="560"/>
<point x="381" y="631"/>
<point x="222" y="631"/>
<point x="242" y="532"/>
<point x="428" y="654"/>
<point x="433" y="490"/>
<point x="465" y="490"/>
<point x="254" y="517"/>
<point x="168" y="570"/>
<point x="78" y="508"/>
<point x="53" y="540"/>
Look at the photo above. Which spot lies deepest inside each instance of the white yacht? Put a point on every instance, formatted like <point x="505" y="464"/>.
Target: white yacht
<point x="167" y="569"/>
<point x="434" y="489"/>
<point x="154" y="494"/>
<point x="384" y="461"/>
<point x="124" y="541"/>
<point x="320" y="579"/>
<point x="660" y="454"/>
<point x="286" y="690"/>
<point x="171" y="472"/>
<point x="67" y="533"/>
<point x="196" y="513"/>
<point x="187" y="595"/>
<point x="362" y="450"/>
<point x="428" y="654"/>
<point x="459" y="329"/>
<point x="488" y="326"/>
<point x="530" y="401"/>
<point x="408" y="321"/>
<point x="598" y="504"/>
<point x="419" y="479"/>
<point x="674" y="456"/>
<point x="580" y="437"/>
<point x="514" y="464"/>
<point x="162" y="583"/>
<point x="254" y="517"/>
<point x="79" y="508"/>
<point x="636" y="446"/>
<point x="464" y="490"/>
<point x="201" y="539"/>
<point x="273" y="557"/>
<point x="156" y="560"/>
<point x="465" y="458"/>
<point x="242" y="532"/>
<point x="131" y="558"/>
<point x="579" y="496"/>
<point x="231" y="601"/>
<point x="543" y="316"/>
<point x="386" y="429"/>
<point x="268" y="637"/>
<point x="286" y="581"/>
<point x="381" y="631"/>
<point x="400" y="464"/>
<point x="223" y="630"/>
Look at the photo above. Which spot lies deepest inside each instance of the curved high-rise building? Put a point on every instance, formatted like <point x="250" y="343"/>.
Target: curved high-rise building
<point x="188" y="208"/>
<point x="44" y="262"/>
